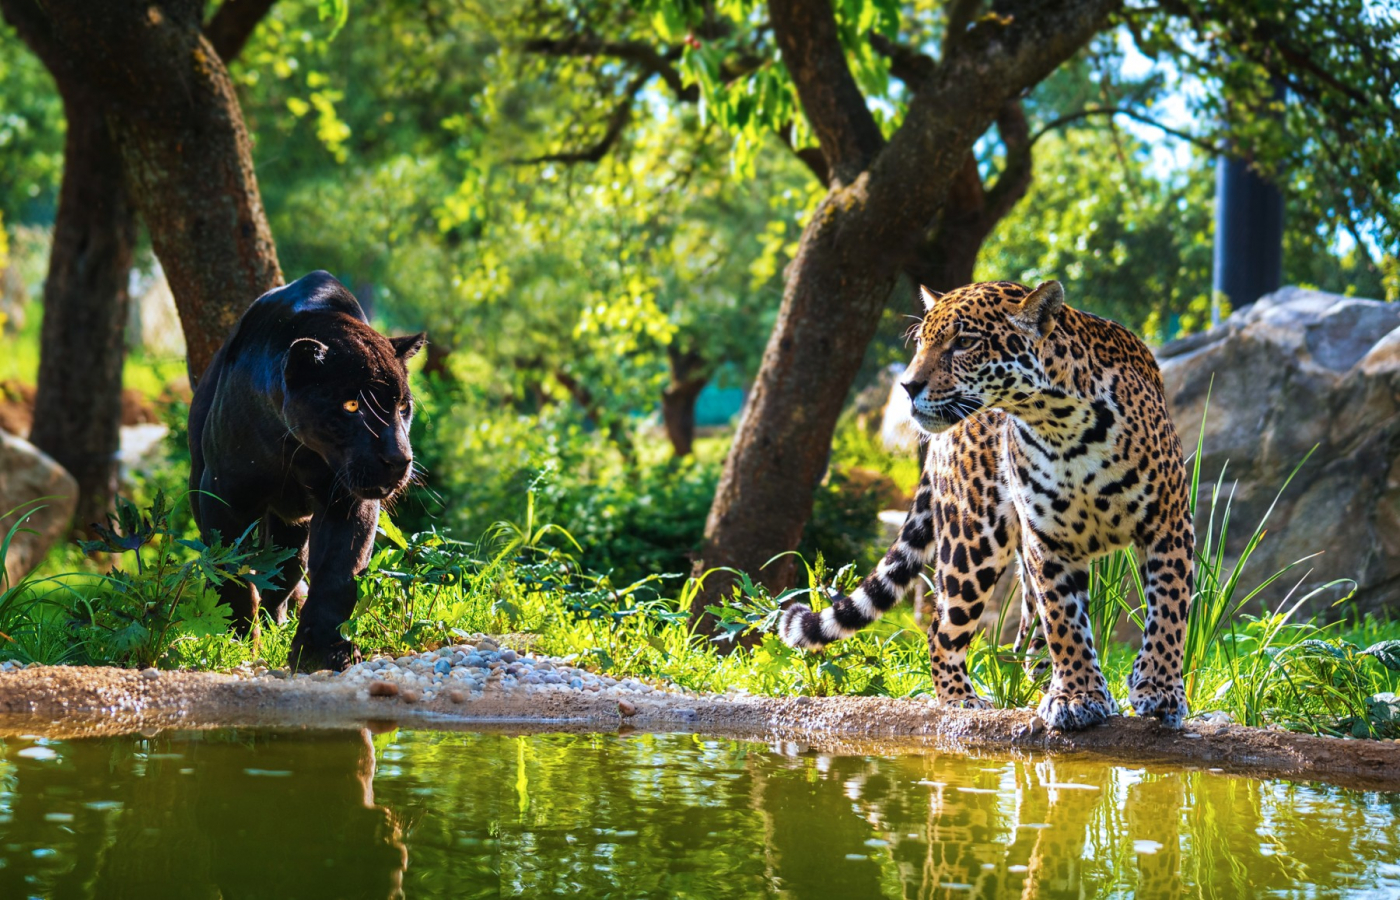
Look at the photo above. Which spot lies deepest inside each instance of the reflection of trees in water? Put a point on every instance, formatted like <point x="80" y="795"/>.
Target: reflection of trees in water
<point x="1048" y="829"/>
<point x="198" y="815"/>
<point x="487" y="815"/>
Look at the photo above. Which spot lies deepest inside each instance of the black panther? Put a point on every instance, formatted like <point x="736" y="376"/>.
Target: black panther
<point x="300" y="424"/>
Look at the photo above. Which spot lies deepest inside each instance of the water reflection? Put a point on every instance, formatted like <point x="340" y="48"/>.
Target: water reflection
<point x="488" y="815"/>
<point x="200" y="815"/>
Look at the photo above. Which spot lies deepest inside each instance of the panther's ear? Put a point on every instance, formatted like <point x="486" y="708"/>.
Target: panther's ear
<point x="929" y="297"/>
<point x="1040" y="310"/>
<point x="303" y="358"/>
<point x="407" y="346"/>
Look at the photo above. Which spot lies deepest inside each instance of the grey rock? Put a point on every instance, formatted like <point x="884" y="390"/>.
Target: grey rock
<point x="27" y="475"/>
<point x="508" y="656"/>
<point x="1300" y="368"/>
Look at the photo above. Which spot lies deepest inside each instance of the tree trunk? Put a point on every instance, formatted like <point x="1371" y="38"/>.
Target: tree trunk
<point x="688" y="379"/>
<point x="858" y="240"/>
<point x="949" y="257"/>
<point x="185" y="152"/>
<point x="77" y="411"/>
<point x="77" y="408"/>
<point x="77" y="415"/>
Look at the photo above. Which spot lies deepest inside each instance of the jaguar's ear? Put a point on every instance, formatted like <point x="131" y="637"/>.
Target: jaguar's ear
<point x="304" y="357"/>
<point x="929" y="297"/>
<point x="407" y="346"/>
<point x="1040" y="310"/>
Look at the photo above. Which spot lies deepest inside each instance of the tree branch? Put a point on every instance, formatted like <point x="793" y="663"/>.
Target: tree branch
<point x="960" y="15"/>
<point x="1015" y="178"/>
<point x="1131" y="114"/>
<point x="231" y="26"/>
<point x="907" y="64"/>
<point x="996" y="60"/>
<point x="638" y="52"/>
<point x="617" y="123"/>
<point x="811" y="157"/>
<point x="812" y="51"/>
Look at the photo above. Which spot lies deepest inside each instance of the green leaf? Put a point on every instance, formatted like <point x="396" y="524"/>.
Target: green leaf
<point x="202" y="615"/>
<point x="1387" y="653"/>
<point x="1323" y="648"/>
<point x="391" y="531"/>
<point x="337" y="11"/>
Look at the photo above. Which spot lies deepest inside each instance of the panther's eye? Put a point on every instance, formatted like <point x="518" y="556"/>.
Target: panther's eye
<point x="403" y="407"/>
<point x="964" y="342"/>
<point x="351" y="406"/>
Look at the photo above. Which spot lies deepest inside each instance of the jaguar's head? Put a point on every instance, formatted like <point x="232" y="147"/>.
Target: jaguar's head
<point x="979" y="348"/>
<point x="347" y="399"/>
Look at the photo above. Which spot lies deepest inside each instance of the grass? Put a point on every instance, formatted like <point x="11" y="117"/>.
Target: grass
<point x="1263" y="666"/>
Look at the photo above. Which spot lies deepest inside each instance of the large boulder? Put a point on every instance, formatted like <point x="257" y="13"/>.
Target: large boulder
<point x="28" y="475"/>
<point x="1296" y="370"/>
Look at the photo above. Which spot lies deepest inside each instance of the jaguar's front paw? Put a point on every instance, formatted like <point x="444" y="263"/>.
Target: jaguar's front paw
<point x="1065" y="710"/>
<point x="1150" y="699"/>
<point x="968" y="702"/>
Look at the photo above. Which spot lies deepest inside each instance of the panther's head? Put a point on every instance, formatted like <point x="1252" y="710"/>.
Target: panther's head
<point x="979" y="348"/>
<point x="347" y="399"/>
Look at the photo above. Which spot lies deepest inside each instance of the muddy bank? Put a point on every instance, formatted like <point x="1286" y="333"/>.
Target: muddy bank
<point x="68" y="702"/>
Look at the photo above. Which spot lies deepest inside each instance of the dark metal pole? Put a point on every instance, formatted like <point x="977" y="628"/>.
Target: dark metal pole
<point x="1248" y="232"/>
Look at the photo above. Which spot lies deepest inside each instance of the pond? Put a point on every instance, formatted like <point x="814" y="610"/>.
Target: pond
<point x="350" y="814"/>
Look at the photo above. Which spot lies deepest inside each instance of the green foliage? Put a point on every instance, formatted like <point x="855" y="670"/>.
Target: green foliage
<point x="31" y="135"/>
<point x="140" y="616"/>
<point x="31" y="626"/>
<point x="631" y="519"/>
<point x="135" y="616"/>
<point x="419" y="588"/>
<point x="1128" y="245"/>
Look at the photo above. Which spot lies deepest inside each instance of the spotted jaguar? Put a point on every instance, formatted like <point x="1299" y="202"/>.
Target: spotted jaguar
<point x="1048" y="438"/>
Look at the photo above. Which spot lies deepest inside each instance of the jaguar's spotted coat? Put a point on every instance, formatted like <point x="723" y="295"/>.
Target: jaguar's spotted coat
<point x="1049" y="436"/>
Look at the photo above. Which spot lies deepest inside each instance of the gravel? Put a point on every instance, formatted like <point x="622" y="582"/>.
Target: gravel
<point x="472" y="669"/>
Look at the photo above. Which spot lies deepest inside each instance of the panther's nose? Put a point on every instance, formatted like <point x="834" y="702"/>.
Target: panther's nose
<point x="396" y="461"/>
<point x="913" y="388"/>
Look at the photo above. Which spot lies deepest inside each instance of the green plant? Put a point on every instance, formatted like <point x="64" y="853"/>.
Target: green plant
<point x="135" y="617"/>
<point x="33" y="627"/>
<point x="1009" y="676"/>
<point x="419" y="588"/>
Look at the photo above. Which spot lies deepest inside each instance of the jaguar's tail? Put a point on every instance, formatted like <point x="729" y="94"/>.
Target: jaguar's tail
<point x="878" y="592"/>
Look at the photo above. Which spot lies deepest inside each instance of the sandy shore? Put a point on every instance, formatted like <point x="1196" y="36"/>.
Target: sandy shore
<point x="71" y="702"/>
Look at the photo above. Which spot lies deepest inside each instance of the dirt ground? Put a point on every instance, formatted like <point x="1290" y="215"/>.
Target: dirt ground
<point x="69" y="702"/>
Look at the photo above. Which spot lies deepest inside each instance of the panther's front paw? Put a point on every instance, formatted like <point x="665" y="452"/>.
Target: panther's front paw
<point x="337" y="656"/>
<point x="1065" y="710"/>
<point x="1149" y="699"/>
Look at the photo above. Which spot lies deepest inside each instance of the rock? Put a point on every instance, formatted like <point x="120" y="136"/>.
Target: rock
<point x="410" y="695"/>
<point x="508" y="656"/>
<point x="150" y="674"/>
<point x="457" y="696"/>
<point x="383" y="689"/>
<point x="626" y="709"/>
<point x="442" y="666"/>
<point x="1296" y="369"/>
<point x="26" y="476"/>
